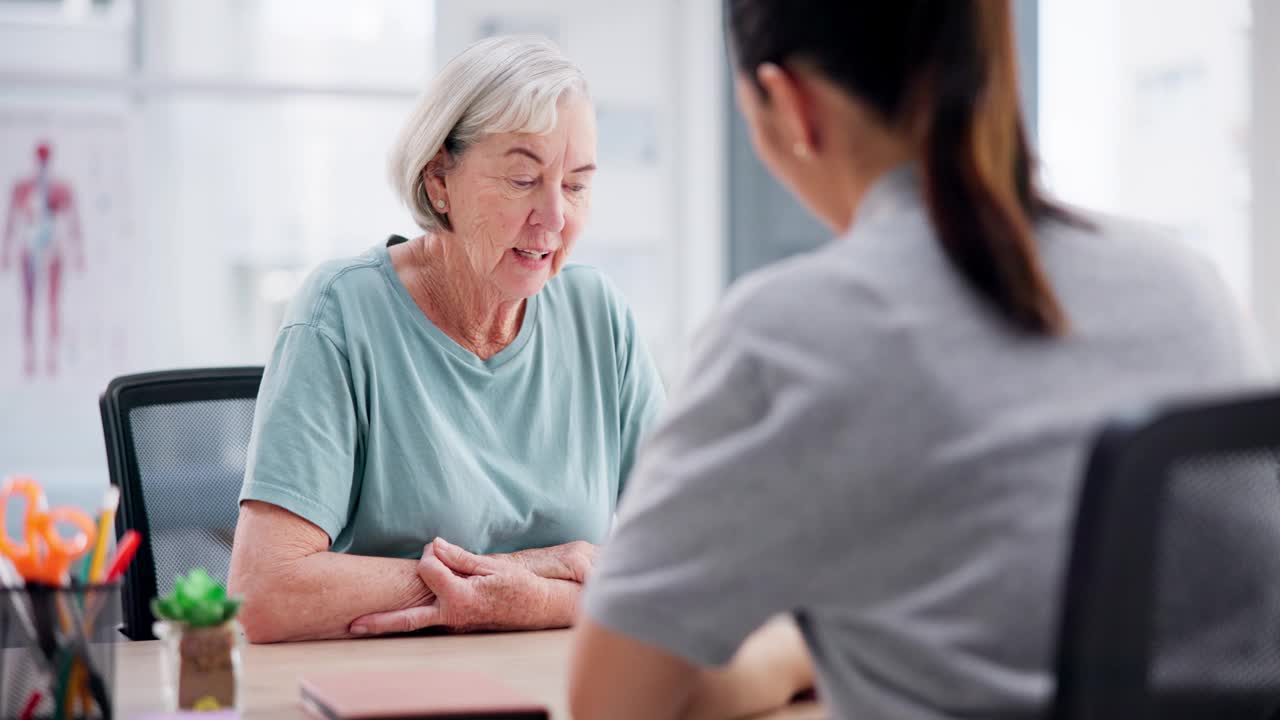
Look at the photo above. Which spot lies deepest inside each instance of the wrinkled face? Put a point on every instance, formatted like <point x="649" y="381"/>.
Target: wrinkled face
<point x="517" y="201"/>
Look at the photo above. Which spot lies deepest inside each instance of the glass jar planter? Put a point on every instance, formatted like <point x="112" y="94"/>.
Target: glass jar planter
<point x="201" y="665"/>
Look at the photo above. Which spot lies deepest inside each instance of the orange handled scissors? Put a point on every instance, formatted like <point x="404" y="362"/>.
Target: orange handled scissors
<point x="44" y="555"/>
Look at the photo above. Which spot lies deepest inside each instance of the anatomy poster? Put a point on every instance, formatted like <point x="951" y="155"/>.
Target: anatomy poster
<point x="67" y="248"/>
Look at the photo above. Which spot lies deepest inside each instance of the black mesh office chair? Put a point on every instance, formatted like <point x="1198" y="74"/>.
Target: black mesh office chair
<point x="176" y="447"/>
<point x="1172" y="599"/>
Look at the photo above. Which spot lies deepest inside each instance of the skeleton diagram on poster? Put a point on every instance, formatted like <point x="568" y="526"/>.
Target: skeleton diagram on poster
<point x="64" y="179"/>
<point x="38" y="205"/>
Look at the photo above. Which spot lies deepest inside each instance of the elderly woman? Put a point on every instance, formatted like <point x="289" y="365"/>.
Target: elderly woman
<point x="445" y="424"/>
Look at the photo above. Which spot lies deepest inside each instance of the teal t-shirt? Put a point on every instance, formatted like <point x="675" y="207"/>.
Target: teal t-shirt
<point x="376" y="426"/>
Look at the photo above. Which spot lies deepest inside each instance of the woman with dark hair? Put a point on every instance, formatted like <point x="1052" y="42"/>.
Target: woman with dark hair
<point x="883" y="438"/>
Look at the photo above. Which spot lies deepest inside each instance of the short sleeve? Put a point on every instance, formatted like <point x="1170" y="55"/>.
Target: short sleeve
<point x="640" y="401"/>
<point x="712" y="524"/>
<point x="302" y="453"/>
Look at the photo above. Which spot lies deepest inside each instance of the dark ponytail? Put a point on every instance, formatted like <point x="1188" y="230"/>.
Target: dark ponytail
<point x="945" y="71"/>
<point x="976" y="165"/>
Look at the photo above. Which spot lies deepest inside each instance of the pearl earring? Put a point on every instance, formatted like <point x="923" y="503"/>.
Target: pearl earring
<point x="440" y="204"/>
<point x="801" y="150"/>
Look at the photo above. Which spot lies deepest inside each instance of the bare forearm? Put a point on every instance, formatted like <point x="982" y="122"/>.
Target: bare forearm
<point x="295" y="589"/>
<point x="730" y="692"/>
<point x="617" y="677"/>
<point x="316" y="597"/>
<point x="770" y="668"/>
<point x="570" y="561"/>
<point x="563" y="597"/>
<point x="531" y="603"/>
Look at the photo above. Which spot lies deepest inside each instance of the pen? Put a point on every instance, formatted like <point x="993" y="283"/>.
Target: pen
<point x="125" y="550"/>
<point x="29" y="710"/>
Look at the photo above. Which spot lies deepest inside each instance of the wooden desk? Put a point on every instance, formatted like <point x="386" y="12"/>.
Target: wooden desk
<point x="532" y="663"/>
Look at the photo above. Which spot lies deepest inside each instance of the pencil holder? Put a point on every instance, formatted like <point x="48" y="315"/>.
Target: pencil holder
<point x="58" y="654"/>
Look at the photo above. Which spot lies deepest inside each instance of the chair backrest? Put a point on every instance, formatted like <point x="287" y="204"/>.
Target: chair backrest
<point x="1172" y="595"/>
<point x="176" y="447"/>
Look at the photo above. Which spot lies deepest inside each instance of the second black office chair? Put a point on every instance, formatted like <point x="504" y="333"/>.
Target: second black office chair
<point x="1172" y="604"/>
<point x="176" y="446"/>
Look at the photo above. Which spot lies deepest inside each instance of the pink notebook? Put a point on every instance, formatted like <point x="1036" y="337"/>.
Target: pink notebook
<point x="413" y="694"/>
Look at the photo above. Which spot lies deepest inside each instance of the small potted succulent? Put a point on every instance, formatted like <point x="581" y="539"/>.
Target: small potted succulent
<point x="202" y="640"/>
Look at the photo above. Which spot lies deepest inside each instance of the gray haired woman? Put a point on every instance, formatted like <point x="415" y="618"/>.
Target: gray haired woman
<point x="445" y="424"/>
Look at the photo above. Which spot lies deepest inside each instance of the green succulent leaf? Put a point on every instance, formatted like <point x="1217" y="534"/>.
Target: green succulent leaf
<point x="163" y="607"/>
<point x="230" y="608"/>
<point x="197" y="600"/>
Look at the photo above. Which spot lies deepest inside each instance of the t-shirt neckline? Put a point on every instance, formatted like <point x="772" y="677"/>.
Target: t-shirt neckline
<point x="441" y="338"/>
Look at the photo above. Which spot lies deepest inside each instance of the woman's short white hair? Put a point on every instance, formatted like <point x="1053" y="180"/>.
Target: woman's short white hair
<point x="497" y="85"/>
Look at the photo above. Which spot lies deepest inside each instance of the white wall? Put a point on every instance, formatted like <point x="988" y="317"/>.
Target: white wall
<point x="1265" y="143"/>
<point x="256" y="137"/>
<point x="702" y="146"/>
<point x="1144" y="112"/>
<point x="49" y="426"/>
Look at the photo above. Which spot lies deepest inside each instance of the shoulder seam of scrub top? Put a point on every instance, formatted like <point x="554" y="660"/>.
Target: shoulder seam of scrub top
<point x="328" y="285"/>
<point x="321" y="332"/>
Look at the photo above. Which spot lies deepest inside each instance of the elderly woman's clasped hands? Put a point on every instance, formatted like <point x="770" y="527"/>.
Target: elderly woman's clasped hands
<point x="469" y="592"/>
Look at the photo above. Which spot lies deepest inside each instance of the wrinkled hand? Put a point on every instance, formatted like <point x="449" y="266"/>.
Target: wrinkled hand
<point x="472" y="592"/>
<point x="570" y="561"/>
